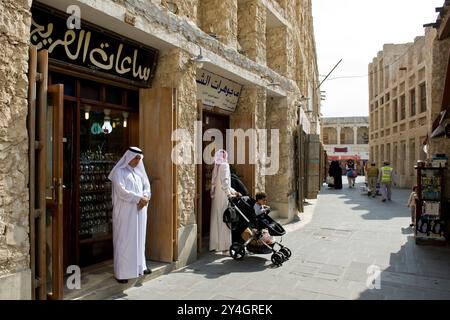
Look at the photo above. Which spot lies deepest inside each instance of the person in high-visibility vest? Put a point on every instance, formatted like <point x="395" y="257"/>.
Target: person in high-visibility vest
<point x="386" y="180"/>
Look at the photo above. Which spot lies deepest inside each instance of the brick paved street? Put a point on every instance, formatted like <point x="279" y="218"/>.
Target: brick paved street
<point x="339" y="236"/>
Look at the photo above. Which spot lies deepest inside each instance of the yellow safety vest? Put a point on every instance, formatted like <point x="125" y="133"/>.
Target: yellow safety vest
<point x="386" y="174"/>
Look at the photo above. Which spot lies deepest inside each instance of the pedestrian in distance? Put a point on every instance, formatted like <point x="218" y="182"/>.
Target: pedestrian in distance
<point x="130" y="197"/>
<point x="372" y="177"/>
<point x="351" y="173"/>
<point x="335" y="171"/>
<point x="386" y="178"/>
<point x="413" y="197"/>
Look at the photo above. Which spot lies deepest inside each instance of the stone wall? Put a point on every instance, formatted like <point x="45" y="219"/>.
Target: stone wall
<point x="187" y="8"/>
<point x="219" y="17"/>
<point x="253" y="102"/>
<point x="437" y="78"/>
<point x="282" y="115"/>
<point x="252" y="30"/>
<point x="276" y="50"/>
<point x="175" y="70"/>
<point x="15" y="21"/>
<point x="277" y="185"/>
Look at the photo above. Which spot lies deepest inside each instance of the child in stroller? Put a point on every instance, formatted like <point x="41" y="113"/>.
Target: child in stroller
<point x="260" y="206"/>
<point x="255" y="231"/>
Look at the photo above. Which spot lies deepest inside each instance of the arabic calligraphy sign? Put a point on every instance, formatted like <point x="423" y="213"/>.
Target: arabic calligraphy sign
<point x="92" y="48"/>
<point x="216" y="91"/>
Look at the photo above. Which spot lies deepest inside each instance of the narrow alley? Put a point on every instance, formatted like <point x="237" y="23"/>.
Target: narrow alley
<point x="340" y="239"/>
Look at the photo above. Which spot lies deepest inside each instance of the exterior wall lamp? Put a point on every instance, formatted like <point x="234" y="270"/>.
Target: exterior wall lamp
<point x="200" y="60"/>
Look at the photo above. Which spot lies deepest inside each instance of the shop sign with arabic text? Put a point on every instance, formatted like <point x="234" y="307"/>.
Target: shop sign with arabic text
<point x="216" y="91"/>
<point x="92" y="48"/>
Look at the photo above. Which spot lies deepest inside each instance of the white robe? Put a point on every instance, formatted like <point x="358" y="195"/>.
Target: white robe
<point x="129" y="224"/>
<point x="220" y="234"/>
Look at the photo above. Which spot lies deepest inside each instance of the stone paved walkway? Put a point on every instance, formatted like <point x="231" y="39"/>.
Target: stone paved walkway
<point x="339" y="237"/>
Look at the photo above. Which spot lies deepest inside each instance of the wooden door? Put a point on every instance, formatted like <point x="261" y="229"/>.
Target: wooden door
<point x="300" y="159"/>
<point x="54" y="189"/>
<point x="246" y="171"/>
<point x="157" y="112"/>
<point x="313" y="164"/>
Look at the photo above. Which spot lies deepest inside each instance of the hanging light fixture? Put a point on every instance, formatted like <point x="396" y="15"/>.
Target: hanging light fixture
<point x="125" y="117"/>
<point x="107" y="128"/>
<point x="87" y="110"/>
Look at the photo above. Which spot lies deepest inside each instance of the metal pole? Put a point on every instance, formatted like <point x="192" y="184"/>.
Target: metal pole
<point x="329" y="73"/>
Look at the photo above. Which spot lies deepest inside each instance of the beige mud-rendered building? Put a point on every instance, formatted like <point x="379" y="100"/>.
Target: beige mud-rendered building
<point x="346" y="138"/>
<point x="399" y="108"/>
<point x="130" y="75"/>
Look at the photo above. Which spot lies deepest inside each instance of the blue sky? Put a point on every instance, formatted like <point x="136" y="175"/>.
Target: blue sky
<point x="355" y="30"/>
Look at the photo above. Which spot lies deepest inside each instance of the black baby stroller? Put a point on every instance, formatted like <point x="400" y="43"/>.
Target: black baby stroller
<point x="241" y="218"/>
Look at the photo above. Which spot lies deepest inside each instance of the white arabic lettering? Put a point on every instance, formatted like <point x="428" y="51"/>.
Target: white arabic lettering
<point x="41" y="32"/>
<point x="122" y="69"/>
<point x="104" y="57"/>
<point x="145" y="75"/>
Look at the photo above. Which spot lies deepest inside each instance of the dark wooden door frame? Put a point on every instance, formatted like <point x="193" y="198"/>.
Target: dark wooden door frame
<point x="55" y="203"/>
<point x="200" y="213"/>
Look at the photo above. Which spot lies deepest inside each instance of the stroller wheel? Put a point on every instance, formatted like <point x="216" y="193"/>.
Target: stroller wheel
<point x="277" y="259"/>
<point x="286" y="252"/>
<point x="237" y="251"/>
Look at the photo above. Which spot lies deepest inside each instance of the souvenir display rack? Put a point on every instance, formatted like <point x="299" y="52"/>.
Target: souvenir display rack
<point x="430" y="223"/>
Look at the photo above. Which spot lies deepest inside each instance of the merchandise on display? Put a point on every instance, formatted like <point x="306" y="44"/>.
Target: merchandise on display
<point x="95" y="193"/>
<point x="430" y="224"/>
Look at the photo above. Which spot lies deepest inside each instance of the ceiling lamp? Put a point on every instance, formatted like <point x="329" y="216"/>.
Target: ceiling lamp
<point x="87" y="109"/>
<point x="107" y="128"/>
<point x="125" y="117"/>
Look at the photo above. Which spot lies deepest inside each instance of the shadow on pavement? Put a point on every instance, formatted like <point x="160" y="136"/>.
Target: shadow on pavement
<point x="373" y="208"/>
<point x="214" y="266"/>
<point x="414" y="272"/>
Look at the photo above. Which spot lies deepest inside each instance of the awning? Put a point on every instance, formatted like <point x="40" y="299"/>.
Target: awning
<point x="440" y="124"/>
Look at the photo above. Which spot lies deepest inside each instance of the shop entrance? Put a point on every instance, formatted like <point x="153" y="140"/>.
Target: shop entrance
<point x="222" y="123"/>
<point x="99" y="123"/>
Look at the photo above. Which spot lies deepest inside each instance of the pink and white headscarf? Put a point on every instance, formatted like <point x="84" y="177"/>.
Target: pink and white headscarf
<point x="220" y="158"/>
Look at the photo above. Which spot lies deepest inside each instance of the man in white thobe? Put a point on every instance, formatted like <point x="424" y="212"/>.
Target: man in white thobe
<point x="130" y="196"/>
<point x="220" y="234"/>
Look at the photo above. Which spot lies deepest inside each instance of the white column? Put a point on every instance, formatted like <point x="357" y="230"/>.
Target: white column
<point x="355" y="135"/>
<point x="338" y="129"/>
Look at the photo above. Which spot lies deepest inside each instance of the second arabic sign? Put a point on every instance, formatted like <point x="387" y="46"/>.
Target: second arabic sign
<point x="92" y="48"/>
<point x="215" y="91"/>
